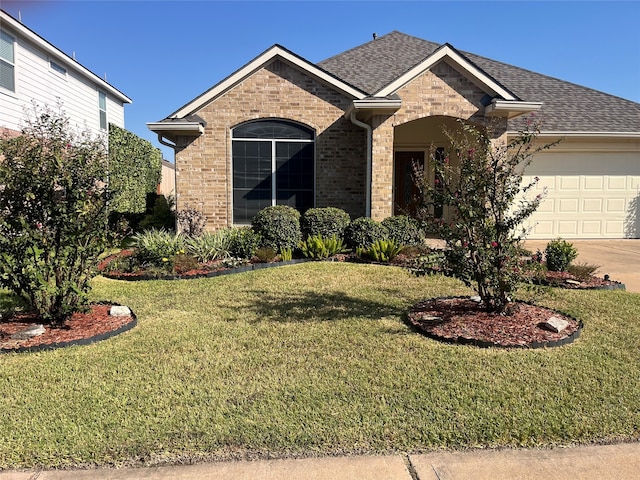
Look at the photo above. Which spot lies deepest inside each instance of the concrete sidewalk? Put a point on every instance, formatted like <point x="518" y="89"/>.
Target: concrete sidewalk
<point x="620" y="259"/>
<point x="602" y="462"/>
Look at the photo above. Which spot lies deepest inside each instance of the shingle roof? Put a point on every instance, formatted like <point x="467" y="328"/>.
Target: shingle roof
<point x="567" y="107"/>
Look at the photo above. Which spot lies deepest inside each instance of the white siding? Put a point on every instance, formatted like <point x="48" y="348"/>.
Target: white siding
<point x="36" y="81"/>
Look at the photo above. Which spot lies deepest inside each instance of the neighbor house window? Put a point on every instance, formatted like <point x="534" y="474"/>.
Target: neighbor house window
<point x="57" y="68"/>
<point x="7" y="62"/>
<point x="273" y="164"/>
<point x="102" y="107"/>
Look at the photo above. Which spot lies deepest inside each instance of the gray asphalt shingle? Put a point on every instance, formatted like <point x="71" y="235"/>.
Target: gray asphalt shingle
<point x="567" y="107"/>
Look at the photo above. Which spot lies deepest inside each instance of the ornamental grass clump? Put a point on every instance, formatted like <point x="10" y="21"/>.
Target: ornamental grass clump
<point x="480" y="183"/>
<point x="158" y="247"/>
<point x="53" y="214"/>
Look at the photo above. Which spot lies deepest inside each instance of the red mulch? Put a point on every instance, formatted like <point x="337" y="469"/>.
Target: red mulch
<point x="80" y="326"/>
<point x="559" y="279"/>
<point x="463" y="321"/>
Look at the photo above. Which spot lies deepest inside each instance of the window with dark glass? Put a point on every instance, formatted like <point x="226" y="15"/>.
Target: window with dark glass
<point x="102" y="109"/>
<point x="7" y="62"/>
<point x="273" y="164"/>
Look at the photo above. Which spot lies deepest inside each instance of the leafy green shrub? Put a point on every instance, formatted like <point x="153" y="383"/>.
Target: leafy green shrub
<point x="559" y="254"/>
<point x="286" y="254"/>
<point x="382" y="250"/>
<point x="364" y="232"/>
<point x="211" y="246"/>
<point x="266" y="254"/>
<point x="243" y="242"/>
<point x="325" y="222"/>
<point x="582" y="271"/>
<point x="403" y="229"/>
<point x="157" y="247"/>
<point x="488" y="203"/>
<point x="53" y="214"/>
<point x="429" y="264"/>
<point x="319" y="247"/>
<point x="278" y="226"/>
<point x="160" y="214"/>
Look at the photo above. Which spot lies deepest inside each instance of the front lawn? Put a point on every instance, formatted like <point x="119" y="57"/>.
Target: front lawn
<point x="312" y="359"/>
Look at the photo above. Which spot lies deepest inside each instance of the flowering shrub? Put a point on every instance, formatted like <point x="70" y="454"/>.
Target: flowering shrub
<point x="481" y="184"/>
<point x="53" y="214"/>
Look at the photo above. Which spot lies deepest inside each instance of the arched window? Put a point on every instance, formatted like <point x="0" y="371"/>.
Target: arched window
<point x="273" y="164"/>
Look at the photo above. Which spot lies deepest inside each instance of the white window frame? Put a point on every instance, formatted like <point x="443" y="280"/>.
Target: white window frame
<point x="274" y="142"/>
<point x="12" y="64"/>
<point x="57" y="69"/>
<point x="101" y="110"/>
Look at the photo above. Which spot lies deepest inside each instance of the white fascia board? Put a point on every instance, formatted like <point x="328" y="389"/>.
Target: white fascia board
<point x="377" y="103"/>
<point x="257" y="64"/>
<point x="178" y="128"/>
<point x="60" y="56"/>
<point x="449" y="54"/>
<point x="584" y="134"/>
<point x="511" y="108"/>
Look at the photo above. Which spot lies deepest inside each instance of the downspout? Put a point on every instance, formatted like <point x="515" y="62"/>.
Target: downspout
<point x="367" y="127"/>
<point x="165" y="143"/>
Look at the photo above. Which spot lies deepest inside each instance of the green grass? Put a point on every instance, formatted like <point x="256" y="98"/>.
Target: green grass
<point x="312" y="359"/>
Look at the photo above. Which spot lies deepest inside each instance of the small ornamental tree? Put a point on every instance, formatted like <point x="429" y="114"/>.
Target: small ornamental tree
<point x="53" y="212"/>
<point x="481" y="185"/>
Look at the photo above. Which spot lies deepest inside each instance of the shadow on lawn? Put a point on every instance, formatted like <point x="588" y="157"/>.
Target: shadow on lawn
<point x="319" y="307"/>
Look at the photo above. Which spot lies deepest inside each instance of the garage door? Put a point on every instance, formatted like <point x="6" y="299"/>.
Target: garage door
<point x="590" y="195"/>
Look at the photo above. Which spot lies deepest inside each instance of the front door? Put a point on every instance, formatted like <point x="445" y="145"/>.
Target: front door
<point x="405" y="188"/>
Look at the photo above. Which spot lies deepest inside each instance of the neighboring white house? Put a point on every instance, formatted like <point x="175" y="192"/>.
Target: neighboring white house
<point x="32" y="69"/>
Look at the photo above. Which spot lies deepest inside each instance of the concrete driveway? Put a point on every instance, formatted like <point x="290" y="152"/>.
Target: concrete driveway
<point x="620" y="259"/>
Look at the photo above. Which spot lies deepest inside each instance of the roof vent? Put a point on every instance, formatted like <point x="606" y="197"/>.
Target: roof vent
<point x="375" y="35"/>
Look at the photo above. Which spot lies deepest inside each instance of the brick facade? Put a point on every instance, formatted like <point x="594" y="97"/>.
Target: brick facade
<point x="278" y="90"/>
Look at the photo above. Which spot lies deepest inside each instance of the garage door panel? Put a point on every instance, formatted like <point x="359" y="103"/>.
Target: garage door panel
<point x="592" y="205"/>
<point x="616" y="205"/>
<point x="591" y="228"/>
<point x="569" y="183"/>
<point x="616" y="183"/>
<point x="593" y="183"/>
<point x="589" y="195"/>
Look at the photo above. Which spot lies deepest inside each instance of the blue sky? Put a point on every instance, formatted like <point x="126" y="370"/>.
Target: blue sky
<point x="162" y="54"/>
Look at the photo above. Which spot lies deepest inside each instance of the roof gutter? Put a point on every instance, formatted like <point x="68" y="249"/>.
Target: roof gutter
<point x="510" y="108"/>
<point x="168" y="129"/>
<point x="368" y="129"/>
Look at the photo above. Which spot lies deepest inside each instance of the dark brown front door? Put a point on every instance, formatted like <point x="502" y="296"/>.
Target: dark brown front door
<point x="405" y="189"/>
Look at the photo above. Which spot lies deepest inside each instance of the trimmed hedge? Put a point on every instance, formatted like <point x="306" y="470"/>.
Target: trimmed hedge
<point x="278" y="226"/>
<point x="403" y="230"/>
<point x="363" y="232"/>
<point x="324" y="222"/>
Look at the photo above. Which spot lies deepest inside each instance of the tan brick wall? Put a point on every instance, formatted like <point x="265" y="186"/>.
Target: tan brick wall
<point x="204" y="165"/>
<point x="441" y="91"/>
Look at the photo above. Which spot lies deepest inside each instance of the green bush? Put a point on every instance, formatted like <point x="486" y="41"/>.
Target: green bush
<point x="278" y="226"/>
<point x="319" y="247"/>
<point x="243" y="242"/>
<point x="53" y="214"/>
<point x="381" y="251"/>
<point x="582" y="271"/>
<point x="160" y="214"/>
<point x="364" y="232"/>
<point x="559" y="254"/>
<point x="325" y="222"/>
<point x="266" y="254"/>
<point x="210" y="246"/>
<point x="157" y="247"/>
<point x="403" y="230"/>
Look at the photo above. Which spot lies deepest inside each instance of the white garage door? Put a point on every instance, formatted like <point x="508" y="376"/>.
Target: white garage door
<point x="590" y="195"/>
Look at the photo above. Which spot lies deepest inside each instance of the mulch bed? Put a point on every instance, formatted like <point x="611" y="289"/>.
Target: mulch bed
<point x="80" y="329"/>
<point x="462" y="320"/>
<point x="559" y="279"/>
